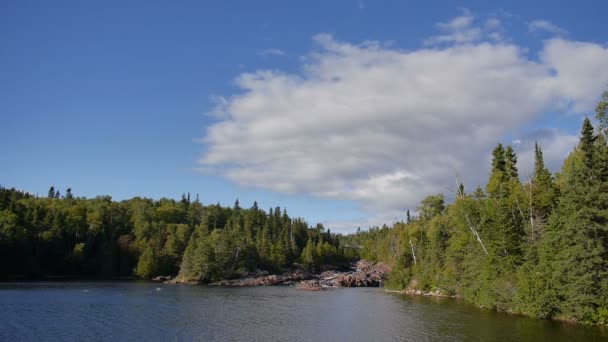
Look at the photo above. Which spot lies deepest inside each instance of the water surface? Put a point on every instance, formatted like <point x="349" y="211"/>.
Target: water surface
<point x="130" y="311"/>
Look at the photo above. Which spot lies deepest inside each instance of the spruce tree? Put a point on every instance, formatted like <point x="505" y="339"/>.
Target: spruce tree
<point x="574" y="255"/>
<point x="587" y="146"/>
<point x="510" y="163"/>
<point x="498" y="159"/>
<point x="543" y="192"/>
<point x="498" y="176"/>
<point x="539" y="163"/>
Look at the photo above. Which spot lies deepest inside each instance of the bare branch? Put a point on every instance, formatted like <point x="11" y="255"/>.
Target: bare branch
<point x="413" y="254"/>
<point x="474" y="231"/>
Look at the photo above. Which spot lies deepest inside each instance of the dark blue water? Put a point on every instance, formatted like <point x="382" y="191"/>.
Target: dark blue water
<point x="133" y="311"/>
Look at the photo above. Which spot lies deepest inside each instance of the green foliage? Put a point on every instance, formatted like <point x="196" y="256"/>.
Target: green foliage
<point x="141" y="237"/>
<point x="539" y="248"/>
<point x="431" y="206"/>
<point x="511" y="163"/>
<point x="601" y="114"/>
<point x="147" y="265"/>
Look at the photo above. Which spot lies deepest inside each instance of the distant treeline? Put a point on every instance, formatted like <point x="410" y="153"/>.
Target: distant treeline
<point x="539" y="248"/>
<point x="76" y="237"/>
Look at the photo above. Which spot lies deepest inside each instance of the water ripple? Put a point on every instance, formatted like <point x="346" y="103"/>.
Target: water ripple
<point x="140" y="311"/>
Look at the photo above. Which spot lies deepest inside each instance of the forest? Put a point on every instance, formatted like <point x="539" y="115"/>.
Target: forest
<point x="538" y="247"/>
<point x="67" y="236"/>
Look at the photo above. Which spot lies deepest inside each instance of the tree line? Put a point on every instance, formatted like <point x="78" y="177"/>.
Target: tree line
<point x="68" y="236"/>
<point x="537" y="247"/>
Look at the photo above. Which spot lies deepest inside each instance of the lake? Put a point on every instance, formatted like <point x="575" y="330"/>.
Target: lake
<point x="120" y="311"/>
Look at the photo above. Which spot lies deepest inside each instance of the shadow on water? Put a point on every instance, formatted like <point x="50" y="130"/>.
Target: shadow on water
<point x="453" y="319"/>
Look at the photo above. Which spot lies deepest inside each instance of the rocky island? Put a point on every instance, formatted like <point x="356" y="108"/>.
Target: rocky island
<point x="360" y="274"/>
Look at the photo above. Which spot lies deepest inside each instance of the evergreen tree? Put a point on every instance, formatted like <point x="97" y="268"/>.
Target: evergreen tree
<point x="587" y="146"/>
<point x="543" y="194"/>
<point x="496" y="186"/>
<point x="573" y="253"/>
<point x="51" y="192"/>
<point x="539" y="163"/>
<point x="511" y="163"/>
<point x="499" y="162"/>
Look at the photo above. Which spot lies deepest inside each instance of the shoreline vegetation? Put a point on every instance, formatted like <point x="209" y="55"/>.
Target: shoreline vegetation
<point x="66" y="236"/>
<point x="537" y="247"/>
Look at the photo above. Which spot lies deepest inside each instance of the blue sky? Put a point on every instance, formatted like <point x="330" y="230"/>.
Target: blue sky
<point x="114" y="97"/>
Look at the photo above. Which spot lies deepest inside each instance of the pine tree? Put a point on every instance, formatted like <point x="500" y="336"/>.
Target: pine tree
<point x="587" y="146"/>
<point x="68" y="193"/>
<point x="51" y="192"/>
<point x="543" y="193"/>
<point x="574" y="257"/>
<point x="539" y="163"/>
<point x="511" y="163"/>
<point x="496" y="186"/>
<point x="498" y="159"/>
<point x="479" y="194"/>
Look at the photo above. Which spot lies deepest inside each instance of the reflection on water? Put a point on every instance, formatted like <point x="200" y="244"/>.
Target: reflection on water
<point x="146" y="311"/>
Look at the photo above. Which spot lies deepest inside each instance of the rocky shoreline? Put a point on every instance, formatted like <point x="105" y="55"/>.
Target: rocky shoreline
<point x="361" y="274"/>
<point x="414" y="292"/>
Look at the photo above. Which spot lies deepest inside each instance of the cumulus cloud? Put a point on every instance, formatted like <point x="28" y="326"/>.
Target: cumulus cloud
<point x="581" y="71"/>
<point x="385" y="127"/>
<point x="547" y="26"/>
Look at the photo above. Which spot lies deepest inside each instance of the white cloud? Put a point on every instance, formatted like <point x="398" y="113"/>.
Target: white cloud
<point x="547" y="26"/>
<point x="271" y="52"/>
<point x="385" y="127"/>
<point x="581" y="71"/>
<point x="457" y="30"/>
<point x="462" y="29"/>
